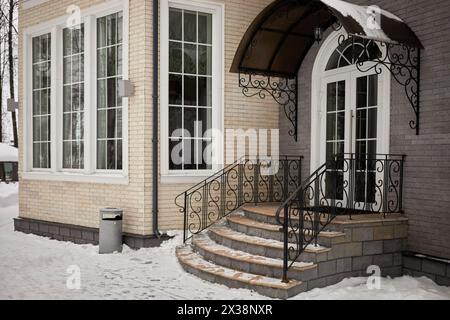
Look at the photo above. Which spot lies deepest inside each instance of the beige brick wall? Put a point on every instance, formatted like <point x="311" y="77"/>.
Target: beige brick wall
<point x="78" y="203"/>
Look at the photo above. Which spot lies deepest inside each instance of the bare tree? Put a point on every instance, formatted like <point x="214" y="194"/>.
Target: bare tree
<point x="12" y="41"/>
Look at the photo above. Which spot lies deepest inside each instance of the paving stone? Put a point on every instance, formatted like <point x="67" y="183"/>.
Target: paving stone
<point x="361" y="263"/>
<point x="372" y="247"/>
<point x="391" y="246"/>
<point x="383" y="260"/>
<point x="433" y="267"/>
<point x="383" y="233"/>
<point x="362" y="234"/>
<point x="327" y="268"/>
<point x="412" y="263"/>
<point x="344" y="265"/>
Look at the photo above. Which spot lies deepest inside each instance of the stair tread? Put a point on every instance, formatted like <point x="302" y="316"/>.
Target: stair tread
<point x="271" y="210"/>
<point x="188" y="257"/>
<point x="242" y="237"/>
<point x="207" y="244"/>
<point x="275" y="228"/>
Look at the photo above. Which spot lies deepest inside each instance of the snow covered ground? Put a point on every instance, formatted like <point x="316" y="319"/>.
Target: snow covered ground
<point x="33" y="267"/>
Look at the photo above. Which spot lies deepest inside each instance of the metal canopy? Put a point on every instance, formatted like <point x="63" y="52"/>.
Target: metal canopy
<point x="279" y="38"/>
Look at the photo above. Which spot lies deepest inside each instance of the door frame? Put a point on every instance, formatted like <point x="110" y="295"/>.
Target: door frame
<point x="318" y="99"/>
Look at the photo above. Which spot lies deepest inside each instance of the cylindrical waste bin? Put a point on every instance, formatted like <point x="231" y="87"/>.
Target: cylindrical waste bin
<point x="110" y="237"/>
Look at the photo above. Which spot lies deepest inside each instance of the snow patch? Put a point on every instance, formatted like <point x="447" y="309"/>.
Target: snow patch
<point x="362" y="17"/>
<point x="8" y="153"/>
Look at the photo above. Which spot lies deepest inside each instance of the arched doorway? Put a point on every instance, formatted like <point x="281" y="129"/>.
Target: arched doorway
<point x="350" y="113"/>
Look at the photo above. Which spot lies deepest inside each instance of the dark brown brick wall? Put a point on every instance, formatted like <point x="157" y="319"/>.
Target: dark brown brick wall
<point x="427" y="172"/>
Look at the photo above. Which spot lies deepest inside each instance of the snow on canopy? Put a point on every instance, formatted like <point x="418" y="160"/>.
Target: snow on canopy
<point x="8" y="153"/>
<point x="362" y="15"/>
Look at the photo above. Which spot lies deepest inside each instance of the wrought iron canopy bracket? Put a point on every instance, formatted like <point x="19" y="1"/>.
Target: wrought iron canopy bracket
<point x="284" y="90"/>
<point x="402" y="61"/>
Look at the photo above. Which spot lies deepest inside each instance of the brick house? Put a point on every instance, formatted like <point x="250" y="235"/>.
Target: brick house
<point x="104" y="86"/>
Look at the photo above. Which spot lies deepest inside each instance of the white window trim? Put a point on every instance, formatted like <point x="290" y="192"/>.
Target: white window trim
<point x="318" y="95"/>
<point x="55" y="26"/>
<point x="217" y="10"/>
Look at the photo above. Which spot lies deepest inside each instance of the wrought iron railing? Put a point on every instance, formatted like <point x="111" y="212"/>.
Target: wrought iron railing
<point x="248" y="180"/>
<point x="346" y="185"/>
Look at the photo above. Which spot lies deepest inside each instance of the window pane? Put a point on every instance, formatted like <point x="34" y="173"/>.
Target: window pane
<point x="331" y="96"/>
<point x="341" y="95"/>
<point x="67" y="155"/>
<point x="111" y="26"/>
<point x="175" y="89"/>
<point x="373" y="90"/>
<point x="175" y="121"/>
<point x="175" y="24"/>
<point x="190" y="26"/>
<point x="175" y="57"/>
<point x="205" y="28"/>
<point x="67" y="70"/>
<point x="44" y="129"/>
<point x="77" y="126"/>
<point x="189" y="154"/>
<point x="45" y="101"/>
<point x="101" y="124"/>
<point x="361" y="124"/>
<point x="190" y="90"/>
<point x="101" y="94"/>
<point x="36" y="102"/>
<point x="119" y="155"/>
<point x="112" y="60"/>
<point x="205" y="120"/>
<point x="101" y="32"/>
<point x="67" y="99"/>
<point x="36" y="129"/>
<point x="67" y="132"/>
<point x="204" y="91"/>
<point x="111" y="91"/>
<point x="190" y="116"/>
<point x="340" y="129"/>
<point x="101" y="154"/>
<point x="119" y="123"/>
<point x="361" y="88"/>
<point x="204" y="60"/>
<point x="331" y="127"/>
<point x="111" y="124"/>
<point x="36" y="155"/>
<point x="111" y="155"/>
<point x="372" y="122"/>
<point x="75" y="155"/>
<point x="175" y="154"/>
<point x="101" y="63"/>
<point x="190" y="58"/>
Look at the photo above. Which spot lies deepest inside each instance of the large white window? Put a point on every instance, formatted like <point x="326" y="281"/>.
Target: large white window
<point x="41" y="101"/>
<point x="73" y="98"/>
<point x="109" y="102"/>
<point x="191" y="97"/>
<point x="75" y="119"/>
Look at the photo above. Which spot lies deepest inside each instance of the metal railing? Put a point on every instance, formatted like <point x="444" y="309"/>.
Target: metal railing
<point x="348" y="184"/>
<point x="248" y="180"/>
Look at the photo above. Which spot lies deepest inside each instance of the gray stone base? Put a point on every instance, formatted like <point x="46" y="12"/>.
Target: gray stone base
<point x="418" y="265"/>
<point x="79" y="234"/>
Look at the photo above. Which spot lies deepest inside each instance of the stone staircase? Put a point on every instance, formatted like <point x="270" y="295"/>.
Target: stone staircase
<point x="245" y="250"/>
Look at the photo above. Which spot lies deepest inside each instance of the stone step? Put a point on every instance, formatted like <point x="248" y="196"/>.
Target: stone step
<point x="194" y="263"/>
<point x="270" y="231"/>
<point x="250" y="263"/>
<point x="263" y="247"/>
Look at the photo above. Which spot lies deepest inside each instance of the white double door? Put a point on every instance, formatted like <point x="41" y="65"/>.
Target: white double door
<point x="352" y="125"/>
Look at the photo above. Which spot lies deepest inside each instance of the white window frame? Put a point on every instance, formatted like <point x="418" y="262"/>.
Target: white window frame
<point x="217" y="11"/>
<point x="56" y="172"/>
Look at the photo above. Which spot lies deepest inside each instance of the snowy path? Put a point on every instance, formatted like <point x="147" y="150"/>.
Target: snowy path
<point x="33" y="267"/>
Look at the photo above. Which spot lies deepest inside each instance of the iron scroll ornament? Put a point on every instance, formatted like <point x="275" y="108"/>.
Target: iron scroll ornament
<point x="402" y="61"/>
<point x="282" y="89"/>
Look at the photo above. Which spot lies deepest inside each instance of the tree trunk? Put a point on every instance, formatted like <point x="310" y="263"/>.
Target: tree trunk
<point x="11" y="67"/>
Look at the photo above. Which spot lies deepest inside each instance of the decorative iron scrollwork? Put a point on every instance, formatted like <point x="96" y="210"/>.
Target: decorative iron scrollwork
<point x="402" y="61"/>
<point x="283" y="90"/>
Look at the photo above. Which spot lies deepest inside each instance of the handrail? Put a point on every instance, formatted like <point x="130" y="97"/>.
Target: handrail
<point x="247" y="180"/>
<point x="347" y="184"/>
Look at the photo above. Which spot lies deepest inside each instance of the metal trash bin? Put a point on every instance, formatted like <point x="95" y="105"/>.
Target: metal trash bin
<point x="110" y="236"/>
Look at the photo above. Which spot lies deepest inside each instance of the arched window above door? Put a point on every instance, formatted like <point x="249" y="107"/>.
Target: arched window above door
<point x="353" y="50"/>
